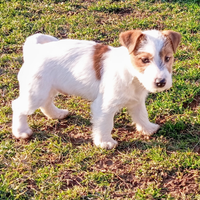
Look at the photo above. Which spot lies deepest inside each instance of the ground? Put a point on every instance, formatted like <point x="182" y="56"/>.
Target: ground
<point x="60" y="160"/>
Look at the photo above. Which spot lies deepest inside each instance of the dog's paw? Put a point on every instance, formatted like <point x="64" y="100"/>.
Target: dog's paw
<point x="61" y="114"/>
<point x="23" y="134"/>
<point x="150" y="130"/>
<point x="106" y="144"/>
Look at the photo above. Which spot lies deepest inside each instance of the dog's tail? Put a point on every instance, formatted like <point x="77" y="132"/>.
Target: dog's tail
<point x="33" y="41"/>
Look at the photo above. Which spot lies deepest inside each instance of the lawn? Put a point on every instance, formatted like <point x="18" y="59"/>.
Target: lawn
<point x="60" y="160"/>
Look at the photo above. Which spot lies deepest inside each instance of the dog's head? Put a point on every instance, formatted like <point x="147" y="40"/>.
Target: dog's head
<point x="151" y="53"/>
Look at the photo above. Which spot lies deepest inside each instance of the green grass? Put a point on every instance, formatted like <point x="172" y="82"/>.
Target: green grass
<point x="60" y="161"/>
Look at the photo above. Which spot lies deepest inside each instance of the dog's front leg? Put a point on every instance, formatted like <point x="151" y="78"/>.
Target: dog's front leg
<point x="102" y="118"/>
<point x="139" y="116"/>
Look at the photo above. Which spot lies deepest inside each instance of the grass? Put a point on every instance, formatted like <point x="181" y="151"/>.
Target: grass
<point x="60" y="161"/>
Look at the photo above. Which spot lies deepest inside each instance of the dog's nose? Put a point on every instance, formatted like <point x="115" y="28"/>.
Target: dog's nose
<point x="160" y="82"/>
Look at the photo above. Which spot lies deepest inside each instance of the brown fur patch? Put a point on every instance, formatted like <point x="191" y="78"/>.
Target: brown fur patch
<point x="136" y="60"/>
<point x="141" y="39"/>
<point x="99" y="51"/>
<point x="167" y="51"/>
<point x="131" y="39"/>
<point x="174" y="37"/>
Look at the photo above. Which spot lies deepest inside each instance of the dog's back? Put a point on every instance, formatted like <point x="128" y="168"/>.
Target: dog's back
<point x="63" y="64"/>
<point x="32" y="41"/>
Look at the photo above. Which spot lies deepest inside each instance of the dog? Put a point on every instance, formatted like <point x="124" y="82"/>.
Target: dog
<point x="110" y="77"/>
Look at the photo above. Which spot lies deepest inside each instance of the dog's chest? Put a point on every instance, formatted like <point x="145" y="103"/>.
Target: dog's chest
<point x="134" y="92"/>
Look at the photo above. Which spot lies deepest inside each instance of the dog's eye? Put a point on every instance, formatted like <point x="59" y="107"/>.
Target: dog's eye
<point x="167" y="59"/>
<point x="145" y="60"/>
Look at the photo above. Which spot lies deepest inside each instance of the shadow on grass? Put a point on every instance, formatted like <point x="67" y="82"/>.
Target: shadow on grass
<point x="172" y="137"/>
<point x="6" y="195"/>
<point x="75" y="129"/>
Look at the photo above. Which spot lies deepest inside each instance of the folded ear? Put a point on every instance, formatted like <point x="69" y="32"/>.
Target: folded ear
<point x="130" y="39"/>
<point x="175" y="38"/>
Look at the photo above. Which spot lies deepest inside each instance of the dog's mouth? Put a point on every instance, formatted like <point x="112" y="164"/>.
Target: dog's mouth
<point x="152" y="87"/>
<point x="155" y="90"/>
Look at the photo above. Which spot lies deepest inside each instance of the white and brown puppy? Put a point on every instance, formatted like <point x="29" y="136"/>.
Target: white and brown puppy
<point x="110" y="77"/>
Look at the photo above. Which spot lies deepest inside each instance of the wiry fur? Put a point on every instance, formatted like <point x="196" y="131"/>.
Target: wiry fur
<point x="66" y="66"/>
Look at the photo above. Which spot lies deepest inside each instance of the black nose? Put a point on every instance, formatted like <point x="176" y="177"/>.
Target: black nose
<point x="160" y="82"/>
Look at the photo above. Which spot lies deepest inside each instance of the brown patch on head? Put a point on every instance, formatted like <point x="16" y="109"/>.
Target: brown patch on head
<point x="132" y="40"/>
<point x="174" y="38"/>
<point x="141" y="60"/>
<point x="166" y="55"/>
<point x="99" y="51"/>
<point x="171" y="43"/>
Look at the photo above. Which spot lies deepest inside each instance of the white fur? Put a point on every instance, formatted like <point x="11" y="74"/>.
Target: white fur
<point x="66" y="66"/>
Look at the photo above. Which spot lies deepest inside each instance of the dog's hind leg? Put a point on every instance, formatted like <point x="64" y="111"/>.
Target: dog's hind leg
<point x="51" y="111"/>
<point x="22" y="107"/>
<point x="32" y="96"/>
<point x="20" y="128"/>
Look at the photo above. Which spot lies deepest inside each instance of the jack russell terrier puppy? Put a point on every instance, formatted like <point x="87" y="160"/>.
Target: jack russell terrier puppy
<point x="111" y="77"/>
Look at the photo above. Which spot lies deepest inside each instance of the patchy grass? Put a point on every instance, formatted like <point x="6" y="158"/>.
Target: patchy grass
<point x="60" y="161"/>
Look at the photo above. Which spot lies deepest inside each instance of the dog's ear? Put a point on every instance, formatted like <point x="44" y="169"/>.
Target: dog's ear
<point x="175" y="38"/>
<point x="130" y="39"/>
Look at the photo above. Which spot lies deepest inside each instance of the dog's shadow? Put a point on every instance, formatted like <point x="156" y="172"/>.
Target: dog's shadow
<point x="171" y="136"/>
<point x="76" y="129"/>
